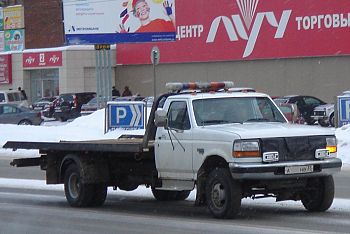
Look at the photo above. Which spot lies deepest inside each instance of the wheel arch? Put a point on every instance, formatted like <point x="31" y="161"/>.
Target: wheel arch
<point x="210" y="163"/>
<point x="93" y="167"/>
<point x="66" y="161"/>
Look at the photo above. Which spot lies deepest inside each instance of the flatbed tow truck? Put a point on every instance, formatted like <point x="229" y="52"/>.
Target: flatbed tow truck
<point x="227" y="145"/>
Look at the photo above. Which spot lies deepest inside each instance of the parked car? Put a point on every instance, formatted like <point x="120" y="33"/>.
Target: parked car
<point x="15" y="114"/>
<point x="43" y="103"/>
<point x="324" y="114"/>
<point x="68" y="105"/>
<point x="91" y="106"/>
<point x="305" y="104"/>
<point x="291" y="112"/>
<point x="13" y="97"/>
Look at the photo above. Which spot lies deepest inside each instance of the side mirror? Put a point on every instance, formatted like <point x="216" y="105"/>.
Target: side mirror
<point x="161" y="119"/>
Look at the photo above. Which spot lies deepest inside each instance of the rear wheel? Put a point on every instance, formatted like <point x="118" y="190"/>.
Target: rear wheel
<point x="99" y="195"/>
<point x="25" y="122"/>
<point x="223" y="194"/>
<point x="77" y="193"/>
<point x="319" y="194"/>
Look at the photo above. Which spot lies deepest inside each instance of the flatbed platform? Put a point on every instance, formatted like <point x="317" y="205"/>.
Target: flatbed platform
<point x="133" y="145"/>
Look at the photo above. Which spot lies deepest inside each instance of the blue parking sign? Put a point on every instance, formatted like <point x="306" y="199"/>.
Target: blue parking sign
<point x="344" y="110"/>
<point x="125" y="115"/>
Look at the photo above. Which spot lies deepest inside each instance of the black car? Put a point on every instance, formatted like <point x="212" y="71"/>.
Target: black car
<point x="305" y="104"/>
<point x="68" y="105"/>
<point x="43" y="103"/>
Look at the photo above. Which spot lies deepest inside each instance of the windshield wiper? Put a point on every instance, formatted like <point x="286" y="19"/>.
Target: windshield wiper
<point x="257" y="120"/>
<point x="214" y="121"/>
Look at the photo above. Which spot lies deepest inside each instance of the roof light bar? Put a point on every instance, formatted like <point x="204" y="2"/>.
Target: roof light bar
<point x="207" y="86"/>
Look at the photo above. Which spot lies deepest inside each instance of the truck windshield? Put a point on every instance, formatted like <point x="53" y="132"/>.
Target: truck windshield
<point x="235" y="110"/>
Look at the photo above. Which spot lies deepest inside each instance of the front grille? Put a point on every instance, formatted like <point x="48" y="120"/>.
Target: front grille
<point x="294" y="148"/>
<point x="319" y="113"/>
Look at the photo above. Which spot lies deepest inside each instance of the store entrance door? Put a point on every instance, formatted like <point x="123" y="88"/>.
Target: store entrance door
<point x="44" y="83"/>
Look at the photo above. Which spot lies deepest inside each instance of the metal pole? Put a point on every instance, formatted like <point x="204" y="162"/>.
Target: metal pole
<point x="97" y="78"/>
<point x="154" y="81"/>
<point x="109" y="76"/>
<point x="104" y="84"/>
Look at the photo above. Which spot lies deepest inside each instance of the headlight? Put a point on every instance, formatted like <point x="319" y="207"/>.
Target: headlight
<point x="246" y="148"/>
<point x="331" y="144"/>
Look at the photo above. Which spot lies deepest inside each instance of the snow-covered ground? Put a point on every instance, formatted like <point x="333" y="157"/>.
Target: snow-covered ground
<point x="91" y="127"/>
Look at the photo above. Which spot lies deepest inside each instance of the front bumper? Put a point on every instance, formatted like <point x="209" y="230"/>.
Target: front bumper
<point x="276" y="170"/>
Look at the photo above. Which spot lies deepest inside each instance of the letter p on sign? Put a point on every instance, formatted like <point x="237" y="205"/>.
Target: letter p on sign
<point x="121" y="114"/>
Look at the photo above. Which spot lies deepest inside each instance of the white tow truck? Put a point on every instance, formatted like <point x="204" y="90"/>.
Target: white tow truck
<point x="227" y="145"/>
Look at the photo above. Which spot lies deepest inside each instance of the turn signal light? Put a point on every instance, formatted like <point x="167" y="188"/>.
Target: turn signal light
<point x="332" y="149"/>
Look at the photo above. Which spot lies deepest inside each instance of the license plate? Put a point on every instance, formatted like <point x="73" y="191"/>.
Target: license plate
<point x="298" y="169"/>
<point x="37" y="108"/>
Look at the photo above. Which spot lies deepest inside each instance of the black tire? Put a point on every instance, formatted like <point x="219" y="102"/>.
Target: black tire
<point x="331" y="120"/>
<point x="62" y="119"/>
<point x="223" y="194"/>
<point x="25" y="122"/>
<point x="319" y="194"/>
<point x="99" y="195"/>
<point x="310" y="121"/>
<point x="323" y="123"/>
<point x="77" y="193"/>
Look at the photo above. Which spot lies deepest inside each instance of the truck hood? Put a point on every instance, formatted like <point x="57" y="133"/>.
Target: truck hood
<point x="268" y="130"/>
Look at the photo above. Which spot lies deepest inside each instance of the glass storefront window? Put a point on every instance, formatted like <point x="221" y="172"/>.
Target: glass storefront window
<point x="44" y="83"/>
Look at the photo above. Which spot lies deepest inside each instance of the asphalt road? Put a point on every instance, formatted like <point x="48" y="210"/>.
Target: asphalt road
<point x="37" y="210"/>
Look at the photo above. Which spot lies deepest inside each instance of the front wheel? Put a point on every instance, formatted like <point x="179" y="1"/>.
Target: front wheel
<point x="323" y="123"/>
<point x="319" y="194"/>
<point x="223" y="194"/>
<point x="77" y="193"/>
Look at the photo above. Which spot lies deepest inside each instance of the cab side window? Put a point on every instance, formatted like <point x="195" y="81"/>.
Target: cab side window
<point x="178" y="116"/>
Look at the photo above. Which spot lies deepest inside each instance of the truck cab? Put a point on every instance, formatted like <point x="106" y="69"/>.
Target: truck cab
<point x="205" y="135"/>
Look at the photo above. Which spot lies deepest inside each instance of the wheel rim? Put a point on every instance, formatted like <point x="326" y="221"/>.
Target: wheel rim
<point x="74" y="186"/>
<point x="218" y="195"/>
<point x="24" y="123"/>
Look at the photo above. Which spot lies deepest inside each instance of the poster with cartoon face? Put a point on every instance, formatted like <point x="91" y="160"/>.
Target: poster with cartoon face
<point x="119" y="21"/>
<point x="14" y="40"/>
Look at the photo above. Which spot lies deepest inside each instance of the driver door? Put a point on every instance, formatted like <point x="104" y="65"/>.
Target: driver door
<point x="174" y="145"/>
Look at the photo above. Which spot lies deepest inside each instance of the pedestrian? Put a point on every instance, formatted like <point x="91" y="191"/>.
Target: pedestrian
<point x="115" y="92"/>
<point x="23" y="93"/>
<point x="126" y="92"/>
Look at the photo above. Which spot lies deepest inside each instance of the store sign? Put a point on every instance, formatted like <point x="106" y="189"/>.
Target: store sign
<point x="42" y="59"/>
<point x="14" y="40"/>
<point x="5" y="69"/>
<point x="115" y="21"/>
<point x="13" y="17"/>
<point x="250" y="29"/>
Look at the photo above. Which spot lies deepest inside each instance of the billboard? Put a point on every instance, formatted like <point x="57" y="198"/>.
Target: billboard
<point x="118" y="21"/>
<point x="226" y="30"/>
<point x="42" y="59"/>
<point x="13" y="17"/>
<point x="14" y="40"/>
<point x="5" y="69"/>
